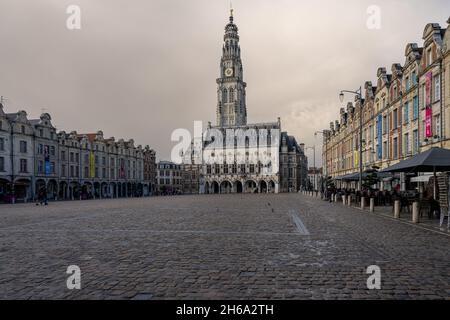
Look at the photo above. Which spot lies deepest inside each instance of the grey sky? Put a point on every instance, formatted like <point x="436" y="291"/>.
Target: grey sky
<point x="139" y="69"/>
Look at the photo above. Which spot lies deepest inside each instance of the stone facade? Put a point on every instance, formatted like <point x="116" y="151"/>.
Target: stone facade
<point x="34" y="157"/>
<point x="407" y="112"/>
<point x="169" y="178"/>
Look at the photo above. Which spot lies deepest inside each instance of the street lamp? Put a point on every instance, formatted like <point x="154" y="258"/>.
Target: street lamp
<point x="358" y="94"/>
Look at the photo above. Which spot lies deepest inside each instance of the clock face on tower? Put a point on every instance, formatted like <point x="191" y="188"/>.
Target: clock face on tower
<point x="228" y="72"/>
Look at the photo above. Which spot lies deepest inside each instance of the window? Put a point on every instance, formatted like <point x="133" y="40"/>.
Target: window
<point x="52" y="150"/>
<point x="23" y="147"/>
<point x="414" y="78"/>
<point x="415" y="107"/>
<point x="415" y="141"/>
<point x="52" y="168"/>
<point x="2" y="164"/>
<point x="77" y="171"/>
<point x="406" y="113"/>
<point x="86" y="172"/>
<point x="40" y="166"/>
<point x="395" y="119"/>
<point x="72" y="171"/>
<point x="2" y="144"/>
<point x="407" y="83"/>
<point x="41" y="133"/>
<point x="437" y="88"/>
<point x="23" y="166"/>
<point x="405" y="144"/>
<point x="385" y="125"/>
<point x="224" y="96"/>
<point x="63" y="155"/>
<point x="395" y="148"/>
<point x="437" y="125"/>
<point x="22" y="129"/>
<point x="429" y="58"/>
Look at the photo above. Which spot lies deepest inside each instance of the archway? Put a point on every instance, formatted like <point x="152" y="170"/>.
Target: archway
<point x="226" y="187"/>
<point x="5" y="190"/>
<point x="145" y="190"/>
<point x="215" y="187"/>
<point x="271" y="186"/>
<point x="207" y="187"/>
<point x="129" y="190"/>
<point x="238" y="186"/>
<point x="63" y="188"/>
<point x="263" y="186"/>
<point x="97" y="190"/>
<point x="251" y="186"/>
<point x="74" y="190"/>
<point x="87" y="191"/>
<point x="113" y="190"/>
<point x="22" y="189"/>
<point x="52" y="189"/>
<point x="40" y="186"/>
<point x="104" y="190"/>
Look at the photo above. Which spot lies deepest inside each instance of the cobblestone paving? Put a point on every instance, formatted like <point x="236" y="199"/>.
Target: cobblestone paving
<point x="286" y="246"/>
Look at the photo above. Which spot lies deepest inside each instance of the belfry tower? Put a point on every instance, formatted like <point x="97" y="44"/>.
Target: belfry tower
<point x="231" y="107"/>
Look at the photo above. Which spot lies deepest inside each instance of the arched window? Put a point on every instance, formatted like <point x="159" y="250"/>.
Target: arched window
<point x="224" y="95"/>
<point x="231" y="96"/>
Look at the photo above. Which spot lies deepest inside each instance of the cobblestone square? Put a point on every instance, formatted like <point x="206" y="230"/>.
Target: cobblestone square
<point x="242" y="246"/>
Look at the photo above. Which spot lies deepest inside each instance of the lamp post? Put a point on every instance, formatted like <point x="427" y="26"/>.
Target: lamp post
<point x="358" y="94"/>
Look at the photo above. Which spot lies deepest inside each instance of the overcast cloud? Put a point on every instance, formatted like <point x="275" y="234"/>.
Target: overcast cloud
<point x="139" y="69"/>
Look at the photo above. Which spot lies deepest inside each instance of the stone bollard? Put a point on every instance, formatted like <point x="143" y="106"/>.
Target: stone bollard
<point x="397" y="209"/>
<point x="349" y="200"/>
<point x="336" y="198"/>
<point x="363" y="203"/>
<point x="344" y="200"/>
<point x="415" y="212"/>
<point x="372" y="205"/>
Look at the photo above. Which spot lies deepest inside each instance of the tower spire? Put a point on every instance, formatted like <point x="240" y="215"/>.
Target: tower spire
<point x="231" y="12"/>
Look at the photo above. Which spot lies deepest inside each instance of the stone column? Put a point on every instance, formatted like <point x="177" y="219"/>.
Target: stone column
<point x="397" y="209"/>
<point x="363" y="203"/>
<point x="415" y="212"/>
